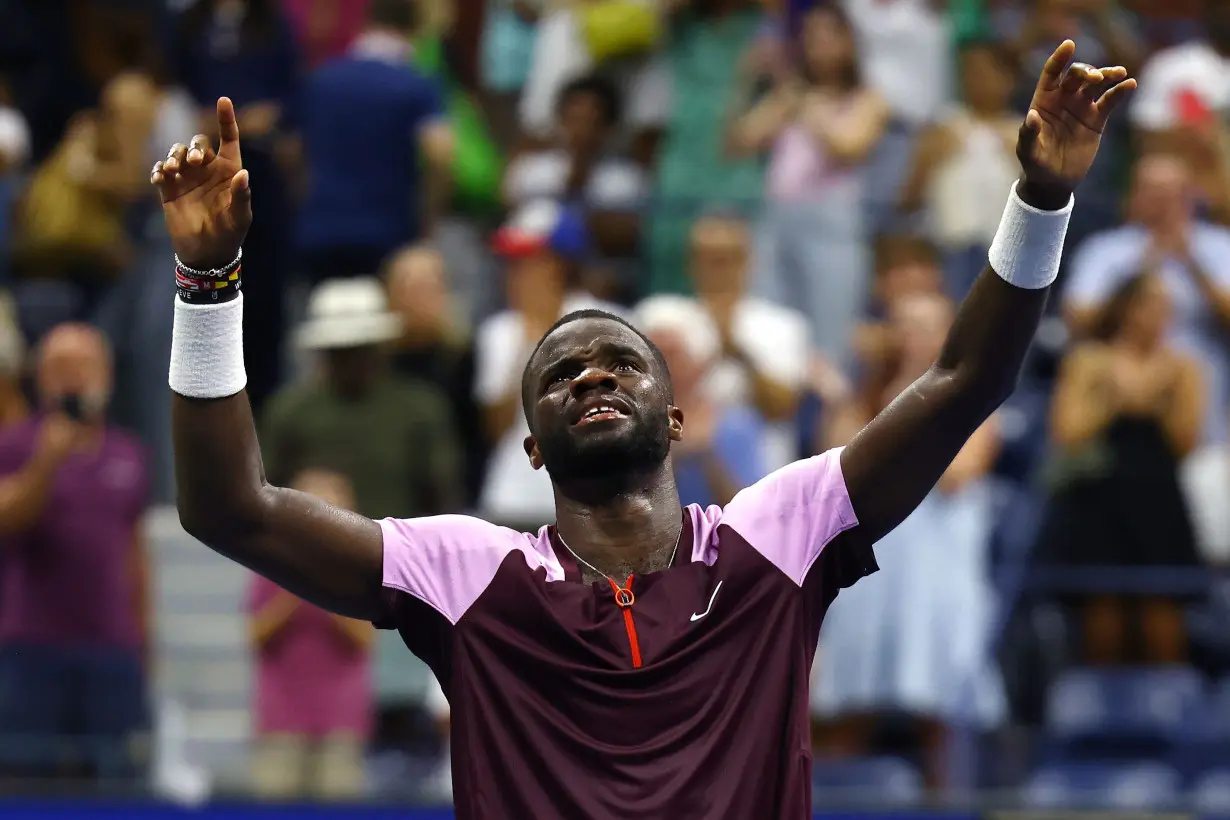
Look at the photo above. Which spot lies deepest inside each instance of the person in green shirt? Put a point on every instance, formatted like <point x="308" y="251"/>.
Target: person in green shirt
<point x="392" y="437"/>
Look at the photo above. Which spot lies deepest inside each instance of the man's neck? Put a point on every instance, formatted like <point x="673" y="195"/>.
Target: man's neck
<point x="632" y="530"/>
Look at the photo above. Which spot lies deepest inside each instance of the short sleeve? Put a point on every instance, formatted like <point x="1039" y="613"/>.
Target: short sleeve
<point x="794" y="513"/>
<point x="444" y="562"/>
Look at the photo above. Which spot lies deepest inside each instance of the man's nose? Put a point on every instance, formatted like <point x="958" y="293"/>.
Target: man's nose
<point x="591" y="378"/>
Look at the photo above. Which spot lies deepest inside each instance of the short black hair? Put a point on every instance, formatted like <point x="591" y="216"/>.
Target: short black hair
<point x="396" y="14"/>
<point x="659" y="361"/>
<point x="597" y="86"/>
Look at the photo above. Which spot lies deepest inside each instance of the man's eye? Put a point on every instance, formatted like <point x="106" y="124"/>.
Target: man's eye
<point x="626" y="367"/>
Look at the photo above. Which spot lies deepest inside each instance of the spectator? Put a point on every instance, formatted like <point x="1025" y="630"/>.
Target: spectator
<point x="246" y="50"/>
<point x="914" y="638"/>
<point x="543" y="244"/>
<point x="723" y="451"/>
<point x="393" y="440"/>
<point x="313" y="683"/>
<point x="811" y="245"/>
<point x="580" y="170"/>
<point x="1102" y="26"/>
<point x="437" y="347"/>
<point x="708" y="66"/>
<point x="966" y="162"/>
<point x="506" y="54"/>
<point x="764" y="351"/>
<point x="1192" y="259"/>
<point x="73" y="629"/>
<point x="1127" y="408"/>
<point x="366" y="117"/>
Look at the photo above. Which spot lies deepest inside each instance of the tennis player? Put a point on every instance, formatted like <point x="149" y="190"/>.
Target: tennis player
<point x="638" y="658"/>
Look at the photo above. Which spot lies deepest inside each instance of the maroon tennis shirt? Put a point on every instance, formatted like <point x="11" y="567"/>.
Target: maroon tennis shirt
<point x="690" y="701"/>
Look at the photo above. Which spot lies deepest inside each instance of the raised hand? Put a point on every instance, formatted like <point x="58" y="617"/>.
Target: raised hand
<point x="1064" y="126"/>
<point x="206" y="200"/>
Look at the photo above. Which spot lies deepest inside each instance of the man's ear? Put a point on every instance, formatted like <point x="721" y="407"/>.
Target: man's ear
<point x="675" y="425"/>
<point x="531" y="450"/>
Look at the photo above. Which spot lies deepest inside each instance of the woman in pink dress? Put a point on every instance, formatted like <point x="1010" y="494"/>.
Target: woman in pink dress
<point x="313" y="684"/>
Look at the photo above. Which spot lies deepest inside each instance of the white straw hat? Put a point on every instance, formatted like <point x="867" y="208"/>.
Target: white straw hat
<point x="348" y="313"/>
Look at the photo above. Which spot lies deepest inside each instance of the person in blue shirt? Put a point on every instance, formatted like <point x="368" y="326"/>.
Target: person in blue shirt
<point x="724" y="449"/>
<point x="369" y="119"/>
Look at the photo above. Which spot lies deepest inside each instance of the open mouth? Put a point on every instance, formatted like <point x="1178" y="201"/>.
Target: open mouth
<point x="602" y="412"/>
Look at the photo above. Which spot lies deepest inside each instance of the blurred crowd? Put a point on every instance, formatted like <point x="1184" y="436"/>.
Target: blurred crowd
<point x="790" y="197"/>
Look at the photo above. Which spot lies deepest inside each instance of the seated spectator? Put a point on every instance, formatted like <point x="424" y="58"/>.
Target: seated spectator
<point x="964" y="164"/>
<point x="436" y="346"/>
<point x="1192" y="259"/>
<point x="819" y="129"/>
<point x="366" y="117"/>
<point x="392" y="439"/>
<point x="580" y="170"/>
<point x="723" y="451"/>
<point x="313" y="683"/>
<point x="543" y="245"/>
<point x="1128" y="407"/>
<point x="914" y="638"/>
<point x="73" y="629"/>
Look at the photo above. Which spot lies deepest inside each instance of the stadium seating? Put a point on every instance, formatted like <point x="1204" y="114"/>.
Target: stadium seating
<point x="890" y="780"/>
<point x="1129" y="712"/>
<point x="1123" y="786"/>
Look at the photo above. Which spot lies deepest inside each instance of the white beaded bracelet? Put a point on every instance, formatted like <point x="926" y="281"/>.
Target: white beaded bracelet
<point x="207" y="350"/>
<point x="1029" y="243"/>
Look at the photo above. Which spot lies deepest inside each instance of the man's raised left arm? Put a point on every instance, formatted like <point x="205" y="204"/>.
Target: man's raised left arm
<point x="895" y="461"/>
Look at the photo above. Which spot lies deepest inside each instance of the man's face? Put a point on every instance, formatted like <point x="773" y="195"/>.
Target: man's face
<point x="582" y="123"/>
<point x="597" y="404"/>
<point x="1162" y="193"/>
<point x="74" y="362"/>
<point x="719" y="257"/>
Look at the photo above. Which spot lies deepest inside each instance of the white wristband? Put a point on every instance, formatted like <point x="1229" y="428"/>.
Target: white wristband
<point x="207" y="350"/>
<point x="1029" y="243"/>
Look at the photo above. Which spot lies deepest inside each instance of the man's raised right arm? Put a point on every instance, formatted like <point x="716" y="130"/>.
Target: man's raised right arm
<point x="326" y="555"/>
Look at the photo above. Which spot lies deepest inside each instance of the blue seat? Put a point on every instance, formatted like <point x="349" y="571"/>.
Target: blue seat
<point x="885" y="779"/>
<point x="1151" y="705"/>
<point x="1123" y="786"/>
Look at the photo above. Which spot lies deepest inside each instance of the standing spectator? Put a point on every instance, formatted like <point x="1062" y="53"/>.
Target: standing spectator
<point x="1127" y="408"/>
<point x="313" y="683"/>
<point x="723" y="451"/>
<point x="706" y="56"/>
<point x="915" y="639"/>
<point x="812" y="246"/>
<point x="437" y="347"/>
<point x="74" y="600"/>
<point x="543" y="244"/>
<point x="366" y="117"/>
<point x="580" y="170"/>
<point x="245" y="49"/>
<point x="764" y="350"/>
<point x="1191" y="257"/>
<point x="393" y="440"/>
<point x="964" y="163"/>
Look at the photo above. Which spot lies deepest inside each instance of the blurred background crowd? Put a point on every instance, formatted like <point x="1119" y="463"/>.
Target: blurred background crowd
<point x="789" y="196"/>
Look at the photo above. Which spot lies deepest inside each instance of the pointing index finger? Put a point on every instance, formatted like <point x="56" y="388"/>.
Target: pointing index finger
<point x="228" y="125"/>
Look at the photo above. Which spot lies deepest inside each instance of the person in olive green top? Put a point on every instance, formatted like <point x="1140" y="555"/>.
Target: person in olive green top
<point x="392" y="437"/>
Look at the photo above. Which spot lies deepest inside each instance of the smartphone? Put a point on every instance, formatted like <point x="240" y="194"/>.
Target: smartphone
<point x="72" y="406"/>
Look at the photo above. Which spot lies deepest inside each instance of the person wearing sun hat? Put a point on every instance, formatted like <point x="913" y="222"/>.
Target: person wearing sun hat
<point x="543" y="245"/>
<point x="393" y="439"/>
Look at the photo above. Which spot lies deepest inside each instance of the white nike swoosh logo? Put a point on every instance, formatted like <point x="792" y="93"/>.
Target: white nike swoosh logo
<point x="696" y="617"/>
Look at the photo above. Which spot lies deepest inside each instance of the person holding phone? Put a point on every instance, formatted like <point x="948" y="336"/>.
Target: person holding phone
<point x="72" y="573"/>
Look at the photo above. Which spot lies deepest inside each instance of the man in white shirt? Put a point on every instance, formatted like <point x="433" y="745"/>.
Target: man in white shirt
<point x="1191" y="257"/>
<point x="764" y="346"/>
<point x="543" y="243"/>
